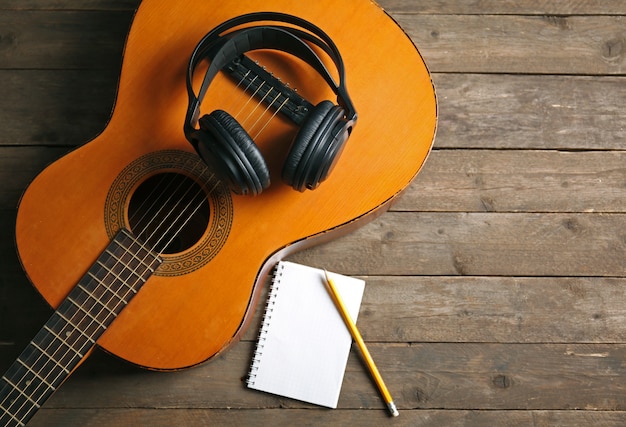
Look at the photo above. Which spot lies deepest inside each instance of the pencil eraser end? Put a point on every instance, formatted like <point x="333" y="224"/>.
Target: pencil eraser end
<point x="392" y="409"/>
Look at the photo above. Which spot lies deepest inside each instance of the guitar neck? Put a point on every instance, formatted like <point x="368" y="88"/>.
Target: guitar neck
<point x="75" y="326"/>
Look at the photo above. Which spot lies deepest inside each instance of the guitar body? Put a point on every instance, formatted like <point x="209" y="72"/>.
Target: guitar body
<point x="200" y="299"/>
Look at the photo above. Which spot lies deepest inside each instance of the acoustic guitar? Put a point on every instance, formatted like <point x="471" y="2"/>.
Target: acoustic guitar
<point x="144" y="251"/>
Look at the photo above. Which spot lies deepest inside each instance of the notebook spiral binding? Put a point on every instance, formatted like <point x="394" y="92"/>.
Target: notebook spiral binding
<point x="267" y="317"/>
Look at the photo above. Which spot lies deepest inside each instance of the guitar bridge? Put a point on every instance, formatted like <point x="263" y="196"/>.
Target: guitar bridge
<point x="253" y="77"/>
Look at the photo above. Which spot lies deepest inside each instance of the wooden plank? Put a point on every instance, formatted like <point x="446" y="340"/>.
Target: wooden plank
<point x="479" y="244"/>
<point x="519" y="44"/>
<point x="481" y="376"/>
<point x="22" y="310"/>
<point x="423" y="309"/>
<point x="505" y="7"/>
<point x="432" y="7"/>
<point x="518" y="181"/>
<point x="490" y="309"/>
<point x="290" y="417"/>
<point x="476" y="111"/>
<point x="538" y="112"/>
<point x="494" y="309"/>
<point x="62" y="39"/>
<point x="449" y="43"/>
<point x="18" y="167"/>
<point x="55" y="107"/>
<point x="451" y="181"/>
<point x="69" y="4"/>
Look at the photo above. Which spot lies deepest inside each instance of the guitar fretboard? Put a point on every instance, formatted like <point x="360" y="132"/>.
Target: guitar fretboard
<point x="74" y="328"/>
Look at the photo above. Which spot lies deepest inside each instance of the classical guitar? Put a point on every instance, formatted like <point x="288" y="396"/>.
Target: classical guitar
<point x="143" y="250"/>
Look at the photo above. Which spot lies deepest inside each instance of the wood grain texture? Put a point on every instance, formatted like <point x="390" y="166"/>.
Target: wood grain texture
<point x="55" y="107"/>
<point x="285" y="417"/>
<point x="590" y="45"/>
<point x="96" y="5"/>
<point x="40" y="39"/>
<point x="483" y="376"/>
<point x="501" y="244"/>
<point x="519" y="181"/>
<point x="451" y="181"/>
<point x="531" y="112"/>
<point x="515" y="310"/>
<point x="504" y="7"/>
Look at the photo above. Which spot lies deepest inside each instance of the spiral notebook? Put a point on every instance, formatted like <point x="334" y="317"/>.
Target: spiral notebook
<point x="303" y="344"/>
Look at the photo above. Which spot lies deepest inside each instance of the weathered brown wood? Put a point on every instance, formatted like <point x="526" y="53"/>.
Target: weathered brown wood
<point x="519" y="44"/>
<point x="476" y="110"/>
<point x="446" y="309"/>
<point x="286" y="417"/>
<point x="483" y="376"/>
<point x="502" y="244"/>
<point x="97" y="5"/>
<point x="55" y="107"/>
<point x="480" y="111"/>
<point x="506" y="7"/>
<point x="537" y="112"/>
<point x="433" y="7"/>
<point x="490" y="309"/>
<point x="449" y="43"/>
<point x="40" y="39"/>
<point x="519" y="181"/>
<point x="452" y="181"/>
<point x="18" y="167"/>
<point x="436" y="309"/>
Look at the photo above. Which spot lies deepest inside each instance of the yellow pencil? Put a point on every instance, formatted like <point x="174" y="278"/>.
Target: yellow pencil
<point x="356" y="335"/>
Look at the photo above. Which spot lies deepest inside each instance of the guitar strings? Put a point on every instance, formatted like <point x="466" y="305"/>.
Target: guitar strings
<point x="253" y="111"/>
<point x="156" y="197"/>
<point x="267" y="122"/>
<point x="250" y="83"/>
<point x="151" y="197"/>
<point x="200" y="194"/>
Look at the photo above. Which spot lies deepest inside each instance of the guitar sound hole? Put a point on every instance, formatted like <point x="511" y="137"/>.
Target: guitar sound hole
<point x="170" y="212"/>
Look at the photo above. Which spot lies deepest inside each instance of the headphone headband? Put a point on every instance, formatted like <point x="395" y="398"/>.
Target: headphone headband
<point x="225" y="48"/>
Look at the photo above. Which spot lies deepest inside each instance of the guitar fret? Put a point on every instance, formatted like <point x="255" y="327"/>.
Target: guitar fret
<point x="63" y="341"/>
<point x="12" y="417"/>
<point x="39" y="377"/>
<point x="97" y="300"/>
<point x="122" y="282"/>
<point x="103" y="284"/>
<point x="136" y="258"/>
<point x="68" y="333"/>
<point x="21" y="392"/>
<point x="142" y="250"/>
<point x="50" y="357"/>
<point x="88" y="314"/>
<point x="75" y="328"/>
<point x="117" y="276"/>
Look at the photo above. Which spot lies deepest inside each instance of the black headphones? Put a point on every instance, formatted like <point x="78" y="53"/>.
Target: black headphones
<point x="223" y="143"/>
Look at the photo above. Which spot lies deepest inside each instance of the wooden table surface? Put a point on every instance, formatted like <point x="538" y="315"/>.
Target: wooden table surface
<point x="496" y="285"/>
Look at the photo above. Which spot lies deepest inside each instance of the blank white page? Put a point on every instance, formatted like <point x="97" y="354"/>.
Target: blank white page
<point x="303" y="345"/>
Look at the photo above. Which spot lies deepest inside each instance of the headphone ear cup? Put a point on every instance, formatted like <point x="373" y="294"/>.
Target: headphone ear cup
<point x="316" y="147"/>
<point x="226" y="147"/>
